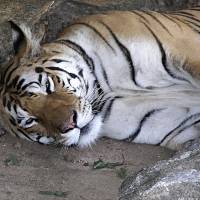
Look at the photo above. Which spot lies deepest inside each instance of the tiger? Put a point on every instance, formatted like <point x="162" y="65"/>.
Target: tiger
<point x="128" y="75"/>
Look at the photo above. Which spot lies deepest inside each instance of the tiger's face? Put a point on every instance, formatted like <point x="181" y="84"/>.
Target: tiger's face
<point x="46" y="105"/>
<point x="49" y="92"/>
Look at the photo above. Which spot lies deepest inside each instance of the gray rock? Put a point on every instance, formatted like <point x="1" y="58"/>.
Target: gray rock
<point x="6" y="47"/>
<point x="176" y="178"/>
<point x="52" y="16"/>
<point x="20" y="11"/>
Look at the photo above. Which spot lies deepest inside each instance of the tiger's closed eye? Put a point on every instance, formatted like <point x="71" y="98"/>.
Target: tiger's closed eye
<point x="29" y="121"/>
<point x="31" y="94"/>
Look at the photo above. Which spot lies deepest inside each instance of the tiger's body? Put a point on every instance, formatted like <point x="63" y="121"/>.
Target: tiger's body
<point x="131" y="76"/>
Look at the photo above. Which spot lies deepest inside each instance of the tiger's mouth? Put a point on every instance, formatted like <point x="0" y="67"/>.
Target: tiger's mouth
<point x="73" y="136"/>
<point x="84" y="130"/>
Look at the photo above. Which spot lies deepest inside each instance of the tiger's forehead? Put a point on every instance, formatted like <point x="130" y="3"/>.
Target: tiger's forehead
<point x="33" y="62"/>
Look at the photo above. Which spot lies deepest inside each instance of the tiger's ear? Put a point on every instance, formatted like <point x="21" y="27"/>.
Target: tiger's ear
<point x="24" y="43"/>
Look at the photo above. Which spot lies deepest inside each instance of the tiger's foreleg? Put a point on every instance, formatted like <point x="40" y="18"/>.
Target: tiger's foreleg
<point x="152" y="120"/>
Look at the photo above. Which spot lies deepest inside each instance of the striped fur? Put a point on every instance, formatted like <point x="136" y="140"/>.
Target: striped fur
<point x="131" y="76"/>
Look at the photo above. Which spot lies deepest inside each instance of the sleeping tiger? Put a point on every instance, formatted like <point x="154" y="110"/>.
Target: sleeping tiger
<point x="132" y="76"/>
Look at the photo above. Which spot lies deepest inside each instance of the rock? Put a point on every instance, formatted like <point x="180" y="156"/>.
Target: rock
<point x="6" y="47"/>
<point x="51" y="16"/>
<point x="21" y="11"/>
<point x="176" y="178"/>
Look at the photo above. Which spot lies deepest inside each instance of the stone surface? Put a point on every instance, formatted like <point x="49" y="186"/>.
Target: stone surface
<point x="54" y="15"/>
<point x="20" y="11"/>
<point x="6" y="47"/>
<point x="176" y="178"/>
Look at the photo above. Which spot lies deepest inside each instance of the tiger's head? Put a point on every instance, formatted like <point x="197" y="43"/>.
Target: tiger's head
<point x="46" y="98"/>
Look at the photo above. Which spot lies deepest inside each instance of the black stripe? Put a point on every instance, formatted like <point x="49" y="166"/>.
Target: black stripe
<point x="187" y="24"/>
<point x="109" y="108"/>
<point x="163" y="56"/>
<point x="72" y="75"/>
<point x="4" y="75"/>
<point x="157" y="20"/>
<point x="20" y="83"/>
<point x="193" y="23"/>
<point x="103" y="71"/>
<point x="19" y="120"/>
<point x="4" y="101"/>
<point x="183" y="12"/>
<point x="56" y="52"/>
<point x="28" y="84"/>
<point x="179" y="126"/>
<point x="188" y="126"/>
<point x="58" y="79"/>
<point x="14" y="82"/>
<point x="139" y="15"/>
<point x="97" y="105"/>
<point x="160" y="45"/>
<point x="96" y="31"/>
<point x="15" y="133"/>
<point x="39" y="69"/>
<point x="15" y="108"/>
<point x="45" y="60"/>
<point x="190" y="16"/>
<point x="141" y="124"/>
<point x="80" y="73"/>
<point x="9" y="105"/>
<point x="125" y="52"/>
<point x="9" y="75"/>
<point x="77" y="48"/>
<point x="40" y="78"/>
<point x="12" y="121"/>
<point x="48" y="88"/>
<point x="171" y="19"/>
<point x="195" y="9"/>
<point x="99" y="89"/>
<point x="59" y="60"/>
<point x="25" y="135"/>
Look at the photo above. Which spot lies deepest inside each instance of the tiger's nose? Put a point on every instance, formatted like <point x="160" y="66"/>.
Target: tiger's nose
<point x="69" y="124"/>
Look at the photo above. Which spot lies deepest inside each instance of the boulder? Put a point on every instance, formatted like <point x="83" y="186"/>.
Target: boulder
<point x="51" y="16"/>
<point x="176" y="178"/>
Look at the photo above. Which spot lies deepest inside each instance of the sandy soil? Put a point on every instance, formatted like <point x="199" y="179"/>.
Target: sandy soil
<point x="29" y="171"/>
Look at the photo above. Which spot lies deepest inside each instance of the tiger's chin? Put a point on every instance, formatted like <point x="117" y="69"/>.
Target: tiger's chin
<point x="85" y="136"/>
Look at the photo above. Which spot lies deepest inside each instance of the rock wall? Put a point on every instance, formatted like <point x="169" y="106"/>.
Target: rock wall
<point x="52" y="16"/>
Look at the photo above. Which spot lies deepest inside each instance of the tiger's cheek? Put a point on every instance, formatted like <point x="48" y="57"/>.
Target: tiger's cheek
<point x="38" y="129"/>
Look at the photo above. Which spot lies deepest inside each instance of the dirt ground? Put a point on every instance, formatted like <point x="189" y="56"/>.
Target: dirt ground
<point x="30" y="171"/>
